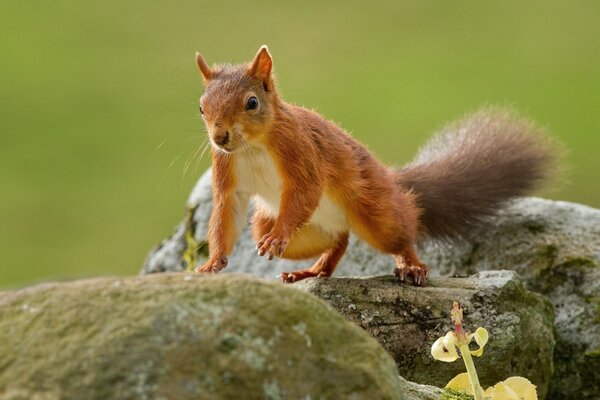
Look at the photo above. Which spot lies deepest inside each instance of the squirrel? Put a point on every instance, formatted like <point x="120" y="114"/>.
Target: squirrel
<point x="312" y="183"/>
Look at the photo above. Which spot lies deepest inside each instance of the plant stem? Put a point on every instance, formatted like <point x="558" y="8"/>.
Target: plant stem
<point x="468" y="360"/>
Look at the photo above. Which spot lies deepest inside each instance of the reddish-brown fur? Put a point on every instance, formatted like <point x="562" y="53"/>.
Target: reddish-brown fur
<point x="314" y="158"/>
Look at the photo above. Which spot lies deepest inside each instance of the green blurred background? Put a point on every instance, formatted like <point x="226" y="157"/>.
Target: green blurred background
<point x="98" y="104"/>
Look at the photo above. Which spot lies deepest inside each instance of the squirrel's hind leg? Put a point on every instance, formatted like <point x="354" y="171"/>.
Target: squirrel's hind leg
<point x="408" y="264"/>
<point x="324" y="266"/>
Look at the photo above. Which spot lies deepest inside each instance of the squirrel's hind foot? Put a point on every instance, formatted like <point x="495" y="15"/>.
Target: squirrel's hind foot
<point x="419" y="273"/>
<point x="410" y="266"/>
<point x="291" y="277"/>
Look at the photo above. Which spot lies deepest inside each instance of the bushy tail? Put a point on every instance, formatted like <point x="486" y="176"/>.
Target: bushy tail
<point x="467" y="171"/>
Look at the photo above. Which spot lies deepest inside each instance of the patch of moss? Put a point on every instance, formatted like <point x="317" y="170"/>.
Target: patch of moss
<point x="194" y="248"/>
<point x="534" y="226"/>
<point x="578" y="262"/>
<point x="548" y="253"/>
<point x="186" y="336"/>
<point x="593" y="353"/>
<point x="450" y="394"/>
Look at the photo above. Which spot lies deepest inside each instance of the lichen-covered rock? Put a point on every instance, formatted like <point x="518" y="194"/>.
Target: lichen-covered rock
<point x="450" y="394"/>
<point x="407" y="320"/>
<point x="180" y="336"/>
<point x="555" y="247"/>
<point x="415" y="391"/>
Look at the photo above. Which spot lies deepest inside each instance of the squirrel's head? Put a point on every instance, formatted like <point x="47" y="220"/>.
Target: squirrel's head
<point x="238" y="101"/>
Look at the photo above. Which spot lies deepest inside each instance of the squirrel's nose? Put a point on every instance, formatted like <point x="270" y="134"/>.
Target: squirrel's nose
<point x="222" y="139"/>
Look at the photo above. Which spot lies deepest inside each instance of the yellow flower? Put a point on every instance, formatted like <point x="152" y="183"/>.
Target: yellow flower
<point x="481" y="337"/>
<point x="444" y="349"/>
<point x="461" y="382"/>
<point x="514" y="388"/>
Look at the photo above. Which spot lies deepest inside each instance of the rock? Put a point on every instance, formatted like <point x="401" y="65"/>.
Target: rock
<point x="181" y="336"/>
<point x="450" y="394"/>
<point x="414" y="391"/>
<point x="555" y="247"/>
<point x="406" y="320"/>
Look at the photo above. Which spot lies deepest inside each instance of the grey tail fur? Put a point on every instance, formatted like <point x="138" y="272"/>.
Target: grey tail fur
<point x="473" y="166"/>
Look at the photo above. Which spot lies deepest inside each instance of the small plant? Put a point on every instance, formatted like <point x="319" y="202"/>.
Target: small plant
<point x="193" y="247"/>
<point x="445" y="349"/>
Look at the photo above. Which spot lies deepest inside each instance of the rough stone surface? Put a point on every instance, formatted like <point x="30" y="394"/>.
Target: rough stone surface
<point x="406" y="320"/>
<point x="182" y="336"/>
<point x="415" y="391"/>
<point x="555" y="247"/>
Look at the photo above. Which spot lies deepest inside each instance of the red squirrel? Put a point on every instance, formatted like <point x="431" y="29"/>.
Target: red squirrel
<point x="312" y="183"/>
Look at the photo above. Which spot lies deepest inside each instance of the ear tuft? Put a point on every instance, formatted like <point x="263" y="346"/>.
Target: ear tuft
<point x="205" y="70"/>
<point x="261" y="67"/>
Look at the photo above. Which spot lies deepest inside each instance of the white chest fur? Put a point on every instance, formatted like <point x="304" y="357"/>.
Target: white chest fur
<point x="257" y="175"/>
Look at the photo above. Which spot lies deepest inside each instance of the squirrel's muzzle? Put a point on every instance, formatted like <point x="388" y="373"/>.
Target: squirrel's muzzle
<point x="221" y="139"/>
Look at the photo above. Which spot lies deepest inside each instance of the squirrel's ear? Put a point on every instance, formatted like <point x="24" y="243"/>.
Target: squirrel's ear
<point x="261" y="67"/>
<point x="205" y="70"/>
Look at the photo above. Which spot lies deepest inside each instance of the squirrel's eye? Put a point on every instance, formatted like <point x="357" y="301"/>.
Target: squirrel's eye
<point x="252" y="103"/>
<point x="201" y="110"/>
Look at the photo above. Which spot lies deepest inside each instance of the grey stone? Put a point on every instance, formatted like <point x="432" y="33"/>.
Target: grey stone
<point x="553" y="245"/>
<point x="406" y="320"/>
<point x="415" y="391"/>
<point x="184" y="336"/>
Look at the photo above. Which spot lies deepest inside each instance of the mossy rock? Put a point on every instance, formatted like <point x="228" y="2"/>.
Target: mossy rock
<point x="450" y="394"/>
<point x="181" y="336"/>
<point x="407" y="320"/>
<point x="553" y="245"/>
<point x="555" y="248"/>
<point x="415" y="391"/>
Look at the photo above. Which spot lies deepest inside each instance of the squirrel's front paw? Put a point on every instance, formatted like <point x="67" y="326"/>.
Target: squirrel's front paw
<point x="213" y="265"/>
<point x="272" y="245"/>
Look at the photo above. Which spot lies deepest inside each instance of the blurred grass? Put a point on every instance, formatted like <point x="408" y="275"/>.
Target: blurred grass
<point x="98" y="112"/>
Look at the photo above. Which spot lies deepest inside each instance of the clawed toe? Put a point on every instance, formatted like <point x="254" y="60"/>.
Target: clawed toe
<point x="271" y="246"/>
<point x="213" y="265"/>
<point x="291" y="277"/>
<point x="287" y="277"/>
<point x="419" y="273"/>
